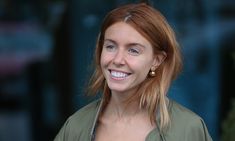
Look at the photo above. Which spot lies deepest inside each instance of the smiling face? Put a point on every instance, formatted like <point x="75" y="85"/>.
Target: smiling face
<point x="126" y="58"/>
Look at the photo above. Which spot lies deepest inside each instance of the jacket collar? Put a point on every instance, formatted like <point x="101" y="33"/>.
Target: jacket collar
<point x="98" y="110"/>
<point x="94" y="124"/>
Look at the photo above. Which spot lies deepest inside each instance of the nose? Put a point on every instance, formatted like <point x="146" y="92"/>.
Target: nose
<point x="119" y="58"/>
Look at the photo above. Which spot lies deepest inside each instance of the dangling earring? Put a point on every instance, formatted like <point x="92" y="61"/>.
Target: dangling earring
<point x="152" y="73"/>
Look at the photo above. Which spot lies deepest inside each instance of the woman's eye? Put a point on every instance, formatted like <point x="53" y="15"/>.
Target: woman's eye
<point x="110" y="47"/>
<point x="134" y="51"/>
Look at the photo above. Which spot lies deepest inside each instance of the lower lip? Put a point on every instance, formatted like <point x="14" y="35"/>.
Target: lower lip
<point x="118" y="78"/>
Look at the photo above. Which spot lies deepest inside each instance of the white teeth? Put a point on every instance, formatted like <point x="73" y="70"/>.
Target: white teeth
<point x="118" y="74"/>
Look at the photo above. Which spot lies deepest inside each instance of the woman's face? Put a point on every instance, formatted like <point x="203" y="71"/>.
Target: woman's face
<point x="126" y="58"/>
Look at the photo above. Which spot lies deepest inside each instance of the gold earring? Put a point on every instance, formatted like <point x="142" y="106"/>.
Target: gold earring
<point x="152" y="73"/>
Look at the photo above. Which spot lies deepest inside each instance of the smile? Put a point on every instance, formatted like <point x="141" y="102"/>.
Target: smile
<point x="118" y="74"/>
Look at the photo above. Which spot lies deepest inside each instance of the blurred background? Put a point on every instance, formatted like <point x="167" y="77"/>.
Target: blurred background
<point x="46" y="50"/>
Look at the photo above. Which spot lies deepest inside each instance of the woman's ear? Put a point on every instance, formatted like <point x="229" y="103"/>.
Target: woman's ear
<point x="159" y="58"/>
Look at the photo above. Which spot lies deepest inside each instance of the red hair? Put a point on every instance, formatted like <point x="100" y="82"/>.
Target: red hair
<point x="152" y="25"/>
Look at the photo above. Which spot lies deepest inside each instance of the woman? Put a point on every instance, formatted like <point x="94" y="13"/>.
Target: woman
<point x="137" y="57"/>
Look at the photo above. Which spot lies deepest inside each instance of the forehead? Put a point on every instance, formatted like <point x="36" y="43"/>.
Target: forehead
<point x="123" y="32"/>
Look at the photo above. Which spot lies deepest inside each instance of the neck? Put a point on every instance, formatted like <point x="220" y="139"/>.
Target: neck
<point x="120" y="108"/>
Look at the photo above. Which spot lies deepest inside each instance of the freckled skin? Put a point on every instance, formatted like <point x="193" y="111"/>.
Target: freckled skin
<point x="126" y="50"/>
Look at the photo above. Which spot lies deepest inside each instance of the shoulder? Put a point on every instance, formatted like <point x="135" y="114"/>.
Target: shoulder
<point x="85" y="116"/>
<point x="185" y="124"/>
<point x="79" y="125"/>
<point x="181" y="113"/>
<point x="86" y="111"/>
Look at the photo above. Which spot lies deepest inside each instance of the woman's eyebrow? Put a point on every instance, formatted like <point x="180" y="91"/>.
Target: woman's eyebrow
<point x="109" y="40"/>
<point x="129" y="44"/>
<point x="137" y="44"/>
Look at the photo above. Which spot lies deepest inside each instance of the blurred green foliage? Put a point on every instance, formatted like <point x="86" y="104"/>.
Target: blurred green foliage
<point x="228" y="126"/>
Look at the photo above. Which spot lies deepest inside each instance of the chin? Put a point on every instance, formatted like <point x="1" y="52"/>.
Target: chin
<point x="118" y="90"/>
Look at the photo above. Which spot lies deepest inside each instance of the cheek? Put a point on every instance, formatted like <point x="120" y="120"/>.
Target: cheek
<point x="142" y="67"/>
<point x="104" y="59"/>
<point x="144" y="64"/>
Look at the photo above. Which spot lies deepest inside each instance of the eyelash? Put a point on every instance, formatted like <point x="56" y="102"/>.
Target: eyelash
<point x="110" y="47"/>
<point x="134" y="51"/>
<point x="131" y="50"/>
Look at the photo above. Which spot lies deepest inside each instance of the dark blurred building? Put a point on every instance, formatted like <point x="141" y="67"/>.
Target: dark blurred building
<point x="30" y="93"/>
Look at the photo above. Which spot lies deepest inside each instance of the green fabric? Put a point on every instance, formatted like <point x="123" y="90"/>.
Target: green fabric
<point x="185" y="125"/>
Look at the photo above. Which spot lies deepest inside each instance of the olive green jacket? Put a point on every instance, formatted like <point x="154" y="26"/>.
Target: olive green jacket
<point x="185" y="125"/>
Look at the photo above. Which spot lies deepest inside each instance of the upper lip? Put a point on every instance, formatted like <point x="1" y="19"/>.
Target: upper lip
<point x="119" y="71"/>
